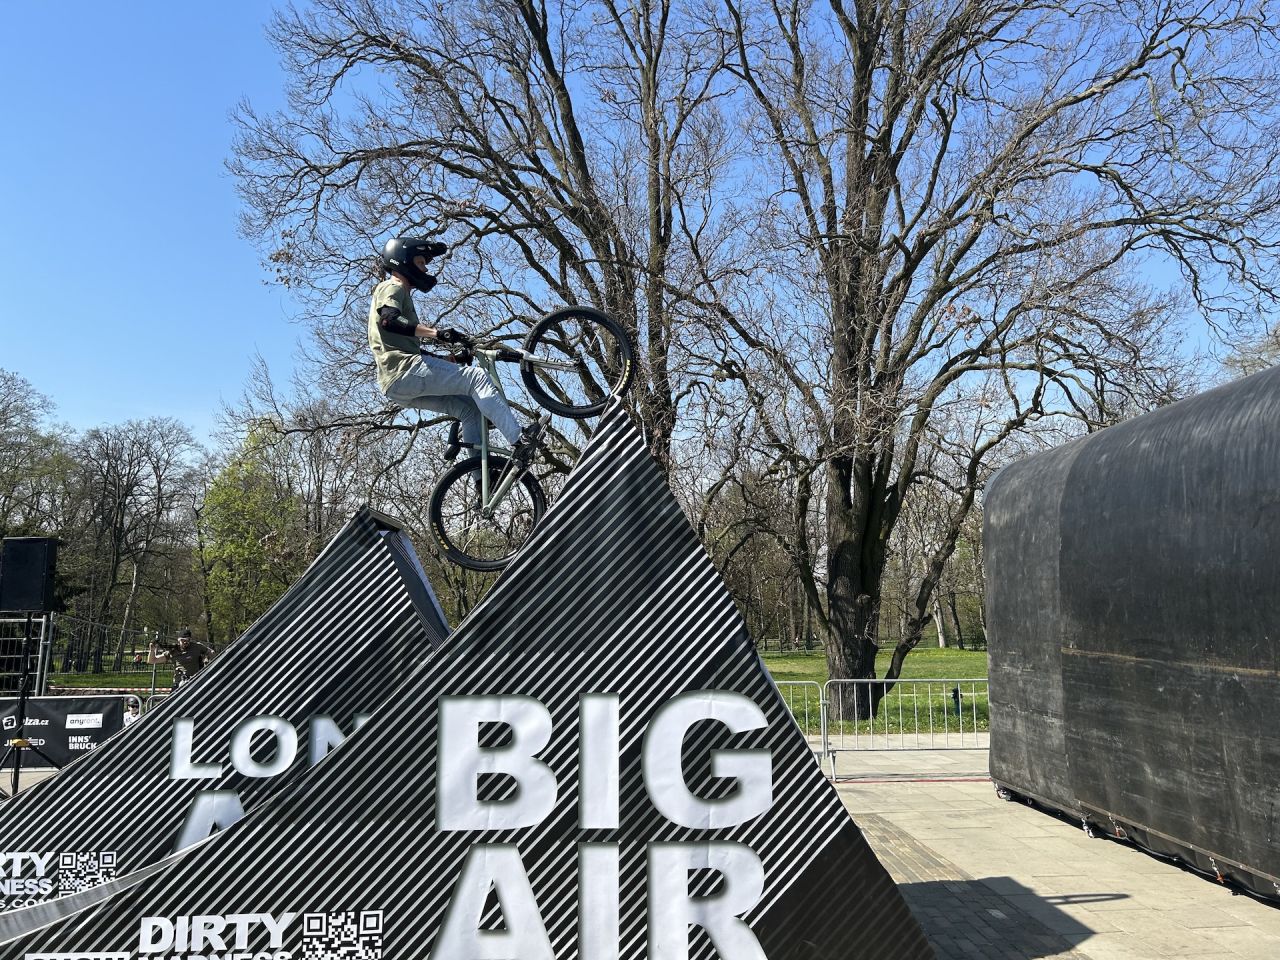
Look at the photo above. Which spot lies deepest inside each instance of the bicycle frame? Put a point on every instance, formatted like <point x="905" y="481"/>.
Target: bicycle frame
<point x="487" y="360"/>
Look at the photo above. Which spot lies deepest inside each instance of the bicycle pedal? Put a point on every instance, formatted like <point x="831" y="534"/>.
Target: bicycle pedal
<point x="538" y="429"/>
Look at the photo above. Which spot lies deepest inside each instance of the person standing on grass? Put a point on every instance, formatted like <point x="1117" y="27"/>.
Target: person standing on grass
<point x="187" y="655"/>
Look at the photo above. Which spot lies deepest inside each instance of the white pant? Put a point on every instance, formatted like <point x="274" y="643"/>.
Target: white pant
<point x="463" y="393"/>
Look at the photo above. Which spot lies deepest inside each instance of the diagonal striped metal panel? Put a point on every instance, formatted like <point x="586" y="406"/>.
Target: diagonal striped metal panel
<point x="330" y="647"/>
<point x="613" y="594"/>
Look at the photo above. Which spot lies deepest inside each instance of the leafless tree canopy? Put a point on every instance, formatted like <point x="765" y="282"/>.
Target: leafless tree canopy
<point x="870" y="250"/>
<point x="566" y="154"/>
<point x="976" y="190"/>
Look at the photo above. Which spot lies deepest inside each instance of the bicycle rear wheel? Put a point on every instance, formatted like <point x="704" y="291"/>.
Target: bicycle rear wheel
<point x="465" y="535"/>
<point x="580" y="359"/>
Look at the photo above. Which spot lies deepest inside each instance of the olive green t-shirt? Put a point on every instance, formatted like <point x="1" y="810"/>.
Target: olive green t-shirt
<point x="393" y="352"/>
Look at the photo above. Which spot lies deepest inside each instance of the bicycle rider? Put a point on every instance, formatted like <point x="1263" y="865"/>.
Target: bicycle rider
<point x="410" y="378"/>
<point x="187" y="655"/>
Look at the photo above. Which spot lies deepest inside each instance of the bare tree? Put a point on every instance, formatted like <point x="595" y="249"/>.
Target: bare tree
<point x="26" y="448"/>
<point x="867" y="249"/>
<point x="1254" y="354"/>
<point x="972" y="192"/>
<point x="135" y="477"/>
<point x="325" y="462"/>
<point x="565" y="150"/>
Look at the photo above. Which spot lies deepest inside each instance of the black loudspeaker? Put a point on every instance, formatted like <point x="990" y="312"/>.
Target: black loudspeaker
<point x="26" y="574"/>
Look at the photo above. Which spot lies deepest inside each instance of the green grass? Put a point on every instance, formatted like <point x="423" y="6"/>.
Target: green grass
<point x="922" y="662"/>
<point x="130" y="678"/>
<point x="908" y="708"/>
<point x="908" y="711"/>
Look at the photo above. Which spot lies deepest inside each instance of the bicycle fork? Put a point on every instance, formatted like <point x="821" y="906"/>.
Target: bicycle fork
<point x="489" y="498"/>
<point x="489" y="501"/>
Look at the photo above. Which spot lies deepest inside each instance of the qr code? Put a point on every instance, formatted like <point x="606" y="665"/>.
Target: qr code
<point x="81" y="871"/>
<point x="349" y="935"/>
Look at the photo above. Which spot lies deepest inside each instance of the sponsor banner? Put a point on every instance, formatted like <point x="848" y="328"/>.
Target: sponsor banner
<point x="62" y="729"/>
<point x="261" y="713"/>
<point x="596" y="765"/>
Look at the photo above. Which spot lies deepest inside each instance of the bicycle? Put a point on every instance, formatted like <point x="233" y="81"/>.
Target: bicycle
<point x="573" y="362"/>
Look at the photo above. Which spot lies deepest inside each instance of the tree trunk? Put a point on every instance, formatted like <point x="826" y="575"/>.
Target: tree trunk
<point x="913" y="631"/>
<point x="955" y="615"/>
<point x="806" y="624"/>
<point x="853" y="591"/>
<point x="205" y="571"/>
<point x="938" y="622"/>
<point x="99" y="645"/>
<point x="793" y="621"/>
<point x="102" y="612"/>
<point x="118" y="663"/>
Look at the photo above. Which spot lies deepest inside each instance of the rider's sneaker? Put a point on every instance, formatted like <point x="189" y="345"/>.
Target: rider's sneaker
<point x="523" y="452"/>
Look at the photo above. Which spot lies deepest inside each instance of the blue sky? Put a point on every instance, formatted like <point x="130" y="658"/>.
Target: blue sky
<point x="126" y="289"/>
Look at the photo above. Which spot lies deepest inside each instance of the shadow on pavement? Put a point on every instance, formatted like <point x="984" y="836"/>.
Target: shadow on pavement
<point x="998" y="917"/>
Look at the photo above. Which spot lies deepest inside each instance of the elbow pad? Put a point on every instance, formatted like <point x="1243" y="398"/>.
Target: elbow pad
<point x="390" y="320"/>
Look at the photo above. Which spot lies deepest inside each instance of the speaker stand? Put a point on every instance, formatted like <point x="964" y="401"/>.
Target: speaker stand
<point x="18" y="742"/>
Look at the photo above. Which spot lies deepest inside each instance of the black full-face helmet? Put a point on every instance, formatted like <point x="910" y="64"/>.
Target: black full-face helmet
<point x="398" y="255"/>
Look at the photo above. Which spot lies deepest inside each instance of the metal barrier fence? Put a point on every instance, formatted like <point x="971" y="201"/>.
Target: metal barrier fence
<point x="915" y="714"/>
<point x="84" y="646"/>
<point x="81" y="659"/>
<point x="805" y="700"/>
<point x="12" y="634"/>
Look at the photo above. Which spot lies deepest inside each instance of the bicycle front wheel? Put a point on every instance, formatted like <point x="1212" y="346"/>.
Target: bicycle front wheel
<point x="465" y="534"/>
<point x="578" y="358"/>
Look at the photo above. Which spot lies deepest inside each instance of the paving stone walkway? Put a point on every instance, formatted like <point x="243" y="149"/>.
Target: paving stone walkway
<point x="961" y="916"/>
<point x="989" y="878"/>
<point x="993" y="879"/>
